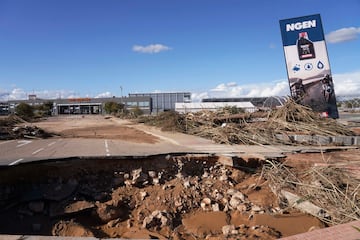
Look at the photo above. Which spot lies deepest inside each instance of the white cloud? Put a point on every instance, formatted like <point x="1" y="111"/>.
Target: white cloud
<point x="347" y="84"/>
<point x="343" y="35"/>
<point x="259" y="90"/>
<point x="104" y="95"/>
<point x="152" y="48"/>
<point x="196" y="97"/>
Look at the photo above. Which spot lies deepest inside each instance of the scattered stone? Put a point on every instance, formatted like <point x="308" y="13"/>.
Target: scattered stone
<point x="206" y="204"/>
<point x="152" y="174"/>
<point x="256" y="208"/>
<point x="156" y="181"/>
<point x="227" y="230"/>
<point x="186" y="184"/>
<point x="69" y="208"/>
<point x="113" y="223"/>
<point x="215" y="207"/>
<point x="143" y="194"/>
<point x="107" y="212"/>
<point x="242" y="207"/>
<point x="223" y="178"/>
<point x="156" y="220"/>
<point x="70" y="229"/>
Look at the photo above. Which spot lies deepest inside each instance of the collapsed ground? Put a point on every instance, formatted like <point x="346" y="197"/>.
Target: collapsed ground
<point x="179" y="197"/>
<point x="172" y="197"/>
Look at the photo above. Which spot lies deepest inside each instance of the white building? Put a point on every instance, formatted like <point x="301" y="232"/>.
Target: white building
<point x="212" y="106"/>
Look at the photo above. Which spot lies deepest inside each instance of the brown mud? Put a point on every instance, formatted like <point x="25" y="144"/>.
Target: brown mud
<point x="165" y="197"/>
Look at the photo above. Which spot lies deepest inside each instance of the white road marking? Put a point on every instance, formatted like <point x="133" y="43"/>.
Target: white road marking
<point x="107" y="148"/>
<point x="23" y="143"/>
<point x="15" y="162"/>
<point x="162" y="137"/>
<point x="7" y="142"/>
<point x="50" y="144"/>
<point x="37" y="151"/>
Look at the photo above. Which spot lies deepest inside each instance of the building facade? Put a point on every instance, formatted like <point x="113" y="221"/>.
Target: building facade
<point x="162" y="102"/>
<point x="259" y="102"/>
<point x="81" y="105"/>
<point x="149" y="103"/>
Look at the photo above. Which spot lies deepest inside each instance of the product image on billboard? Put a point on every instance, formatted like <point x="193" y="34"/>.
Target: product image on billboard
<point x="307" y="64"/>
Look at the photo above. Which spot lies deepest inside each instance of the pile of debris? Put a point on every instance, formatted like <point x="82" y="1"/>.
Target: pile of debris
<point x="13" y="127"/>
<point x="168" y="197"/>
<point x="329" y="193"/>
<point x="251" y="128"/>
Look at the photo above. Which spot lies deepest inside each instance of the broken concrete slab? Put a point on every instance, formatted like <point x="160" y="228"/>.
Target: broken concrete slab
<point x="69" y="208"/>
<point x="303" y="205"/>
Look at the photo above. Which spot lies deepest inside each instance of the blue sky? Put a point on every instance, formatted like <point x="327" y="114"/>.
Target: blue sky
<point x="212" y="48"/>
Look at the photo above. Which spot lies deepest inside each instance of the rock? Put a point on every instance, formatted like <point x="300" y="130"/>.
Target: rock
<point x="139" y="177"/>
<point x="256" y="208"/>
<point x="234" y="202"/>
<point x="218" y="196"/>
<point x="152" y="174"/>
<point x="186" y="184"/>
<point x="206" y="204"/>
<point x="129" y="223"/>
<point x="107" y="213"/>
<point x="113" y="223"/>
<point x="178" y="203"/>
<point x="128" y="183"/>
<point x="36" y="207"/>
<point x="215" y="207"/>
<point x="226" y="230"/>
<point x="242" y="207"/>
<point x="143" y="194"/>
<point x="69" y="229"/>
<point x="156" y="220"/>
<point x="156" y="181"/>
<point x="223" y="178"/>
<point x="69" y="208"/>
<point x="136" y="173"/>
<point x="236" y="199"/>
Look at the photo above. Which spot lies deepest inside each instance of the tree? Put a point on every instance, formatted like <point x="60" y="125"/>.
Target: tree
<point x="45" y="109"/>
<point x="113" y="107"/>
<point x="24" y="111"/>
<point x="137" y="111"/>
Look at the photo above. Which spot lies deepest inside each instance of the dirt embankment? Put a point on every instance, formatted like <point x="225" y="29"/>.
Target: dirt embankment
<point x="95" y="127"/>
<point x="178" y="197"/>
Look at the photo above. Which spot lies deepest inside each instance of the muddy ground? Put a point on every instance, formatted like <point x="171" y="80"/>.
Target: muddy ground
<point x="165" y="196"/>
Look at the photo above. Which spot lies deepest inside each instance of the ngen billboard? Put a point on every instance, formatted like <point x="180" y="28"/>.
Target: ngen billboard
<point x="307" y="64"/>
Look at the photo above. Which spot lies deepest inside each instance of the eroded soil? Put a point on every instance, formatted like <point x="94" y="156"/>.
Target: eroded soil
<point x="95" y="127"/>
<point x="165" y="197"/>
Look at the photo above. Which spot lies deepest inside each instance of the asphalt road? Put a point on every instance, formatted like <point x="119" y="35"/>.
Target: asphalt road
<point x="15" y="152"/>
<point x="19" y="151"/>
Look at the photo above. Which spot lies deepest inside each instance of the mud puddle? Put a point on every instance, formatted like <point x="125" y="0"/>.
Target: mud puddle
<point x="164" y="197"/>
